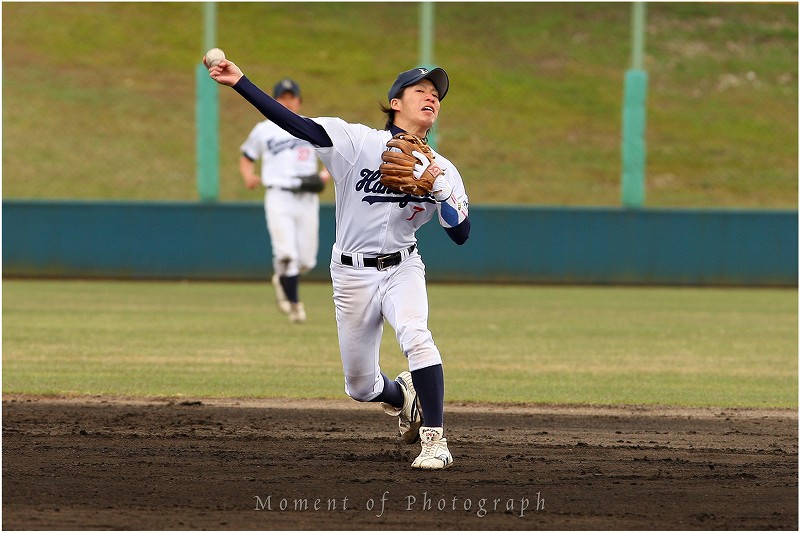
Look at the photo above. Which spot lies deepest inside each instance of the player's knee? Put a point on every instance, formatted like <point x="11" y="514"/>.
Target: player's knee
<point x="280" y="264"/>
<point x="361" y="395"/>
<point x="361" y="389"/>
<point x="308" y="265"/>
<point x="286" y="266"/>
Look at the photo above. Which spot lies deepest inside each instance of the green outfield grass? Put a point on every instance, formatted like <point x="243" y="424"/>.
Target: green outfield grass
<point x="572" y="345"/>
<point x="99" y="98"/>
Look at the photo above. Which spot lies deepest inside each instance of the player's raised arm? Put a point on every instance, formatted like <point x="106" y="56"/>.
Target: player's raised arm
<point x="227" y="73"/>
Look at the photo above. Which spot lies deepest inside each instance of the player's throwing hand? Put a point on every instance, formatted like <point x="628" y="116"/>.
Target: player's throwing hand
<point x="225" y="72"/>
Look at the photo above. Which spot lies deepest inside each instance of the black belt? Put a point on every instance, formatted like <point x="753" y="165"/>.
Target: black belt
<point x="381" y="262"/>
<point x="282" y="188"/>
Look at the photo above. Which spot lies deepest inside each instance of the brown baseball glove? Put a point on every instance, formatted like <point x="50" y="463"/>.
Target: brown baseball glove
<point x="408" y="165"/>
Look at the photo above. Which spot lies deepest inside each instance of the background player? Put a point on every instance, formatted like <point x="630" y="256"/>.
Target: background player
<point x="289" y="173"/>
<point x="376" y="269"/>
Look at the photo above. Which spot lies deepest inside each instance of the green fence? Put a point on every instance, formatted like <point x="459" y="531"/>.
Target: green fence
<point x="168" y="240"/>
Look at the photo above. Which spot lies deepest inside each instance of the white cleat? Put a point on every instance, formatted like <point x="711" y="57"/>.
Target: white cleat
<point x="435" y="454"/>
<point x="297" y="313"/>
<point x="410" y="415"/>
<point x="284" y="305"/>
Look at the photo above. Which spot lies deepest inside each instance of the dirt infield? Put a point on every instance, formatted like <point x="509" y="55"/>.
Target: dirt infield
<point x="94" y="463"/>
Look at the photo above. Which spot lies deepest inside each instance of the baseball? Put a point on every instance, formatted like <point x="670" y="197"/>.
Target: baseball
<point x="214" y="56"/>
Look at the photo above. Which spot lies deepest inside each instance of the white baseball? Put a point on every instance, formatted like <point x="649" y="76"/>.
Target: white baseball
<point x="214" y="56"/>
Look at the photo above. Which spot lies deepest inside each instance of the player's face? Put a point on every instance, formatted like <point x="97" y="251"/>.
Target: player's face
<point x="418" y="106"/>
<point x="290" y="101"/>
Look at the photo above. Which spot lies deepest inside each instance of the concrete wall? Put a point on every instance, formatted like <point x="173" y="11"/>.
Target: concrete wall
<point x="187" y="240"/>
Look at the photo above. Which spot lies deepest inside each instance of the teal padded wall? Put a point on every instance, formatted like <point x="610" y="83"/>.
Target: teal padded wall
<point x="174" y="240"/>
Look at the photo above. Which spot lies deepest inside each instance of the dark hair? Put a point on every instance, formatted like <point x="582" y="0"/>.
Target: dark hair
<point x="389" y="112"/>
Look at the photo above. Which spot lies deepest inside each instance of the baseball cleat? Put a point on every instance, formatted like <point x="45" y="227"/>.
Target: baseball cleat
<point x="435" y="454"/>
<point x="283" y="303"/>
<point x="297" y="313"/>
<point x="410" y="415"/>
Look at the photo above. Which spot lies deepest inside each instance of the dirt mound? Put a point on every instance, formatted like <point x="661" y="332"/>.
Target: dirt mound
<point x="102" y="463"/>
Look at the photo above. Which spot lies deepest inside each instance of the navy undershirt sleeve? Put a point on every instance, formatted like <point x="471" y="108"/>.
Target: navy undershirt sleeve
<point x="459" y="234"/>
<point x="301" y="127"/>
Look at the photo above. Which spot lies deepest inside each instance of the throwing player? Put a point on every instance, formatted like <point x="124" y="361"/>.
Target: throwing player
<point x="289" y="172"/>
<point x="376" y="268"/>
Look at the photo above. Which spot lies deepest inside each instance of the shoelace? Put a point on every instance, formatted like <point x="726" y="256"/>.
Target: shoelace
<point x="428" y="447"/>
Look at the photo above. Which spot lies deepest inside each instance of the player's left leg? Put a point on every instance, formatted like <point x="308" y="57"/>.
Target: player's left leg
<point x="307" y="232"/>
<point x="360" y="329"/>
<point x="305" y="218"/>
<point x="281" y="231"/>
<point x="283" y="227"/>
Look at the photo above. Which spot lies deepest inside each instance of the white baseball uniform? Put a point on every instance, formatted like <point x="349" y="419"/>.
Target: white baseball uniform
<point x="376" y="269"/>
<point x="292" y="215"/>
<point x="371" y="221"/>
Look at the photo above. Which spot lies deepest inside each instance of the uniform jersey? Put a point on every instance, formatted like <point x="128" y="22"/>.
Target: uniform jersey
<point x="283" y="157"/>
<point x="370" y="218"/>
<point x="371" y="221"/>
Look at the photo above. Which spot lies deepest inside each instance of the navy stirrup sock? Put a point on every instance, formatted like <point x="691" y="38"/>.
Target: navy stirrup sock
<point x="290" y="287"/>
<point x="392" y="393"/>
<point x="429" y="384"/>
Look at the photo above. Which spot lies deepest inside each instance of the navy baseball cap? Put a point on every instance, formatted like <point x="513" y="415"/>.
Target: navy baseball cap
<point x="437" y="76"/>
<point x="286" y="85"/>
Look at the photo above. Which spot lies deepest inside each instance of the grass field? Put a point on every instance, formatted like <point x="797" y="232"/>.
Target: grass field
<point x="563" y="345"/>
<point x="99" y="97"/>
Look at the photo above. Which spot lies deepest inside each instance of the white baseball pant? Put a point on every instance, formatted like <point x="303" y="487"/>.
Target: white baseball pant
<point x="363" y="298"/>
<point x="293" y="224"/>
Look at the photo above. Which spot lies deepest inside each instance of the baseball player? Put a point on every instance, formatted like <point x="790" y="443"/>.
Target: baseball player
<point x="289" y="172"/>
<point x="376" y="268"/>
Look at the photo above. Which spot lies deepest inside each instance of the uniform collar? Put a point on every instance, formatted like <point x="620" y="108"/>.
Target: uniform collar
<point x="395" y="130"/>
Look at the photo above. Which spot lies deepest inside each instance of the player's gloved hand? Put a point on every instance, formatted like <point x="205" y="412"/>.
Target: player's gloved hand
<point x="425" y="165"/>
<point x="408" y="165"/>
<point x="441" y="186"/>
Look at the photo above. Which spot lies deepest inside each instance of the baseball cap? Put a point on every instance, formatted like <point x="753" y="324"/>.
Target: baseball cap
<point x="437" y="76"/>
<point x="286" y="85"/>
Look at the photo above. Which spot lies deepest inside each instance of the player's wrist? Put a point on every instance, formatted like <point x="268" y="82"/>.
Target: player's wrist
<point x="442" y="190"/>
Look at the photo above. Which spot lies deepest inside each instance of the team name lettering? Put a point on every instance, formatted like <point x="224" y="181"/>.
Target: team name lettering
<point x="370" y="183"/>
<point x="275" y="147"/>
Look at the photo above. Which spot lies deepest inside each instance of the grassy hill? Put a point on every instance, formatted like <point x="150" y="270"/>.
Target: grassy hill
<point x="98" y="98"/>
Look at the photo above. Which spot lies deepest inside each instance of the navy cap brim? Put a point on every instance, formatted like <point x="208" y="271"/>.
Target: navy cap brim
<point x="437" y="76"/>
